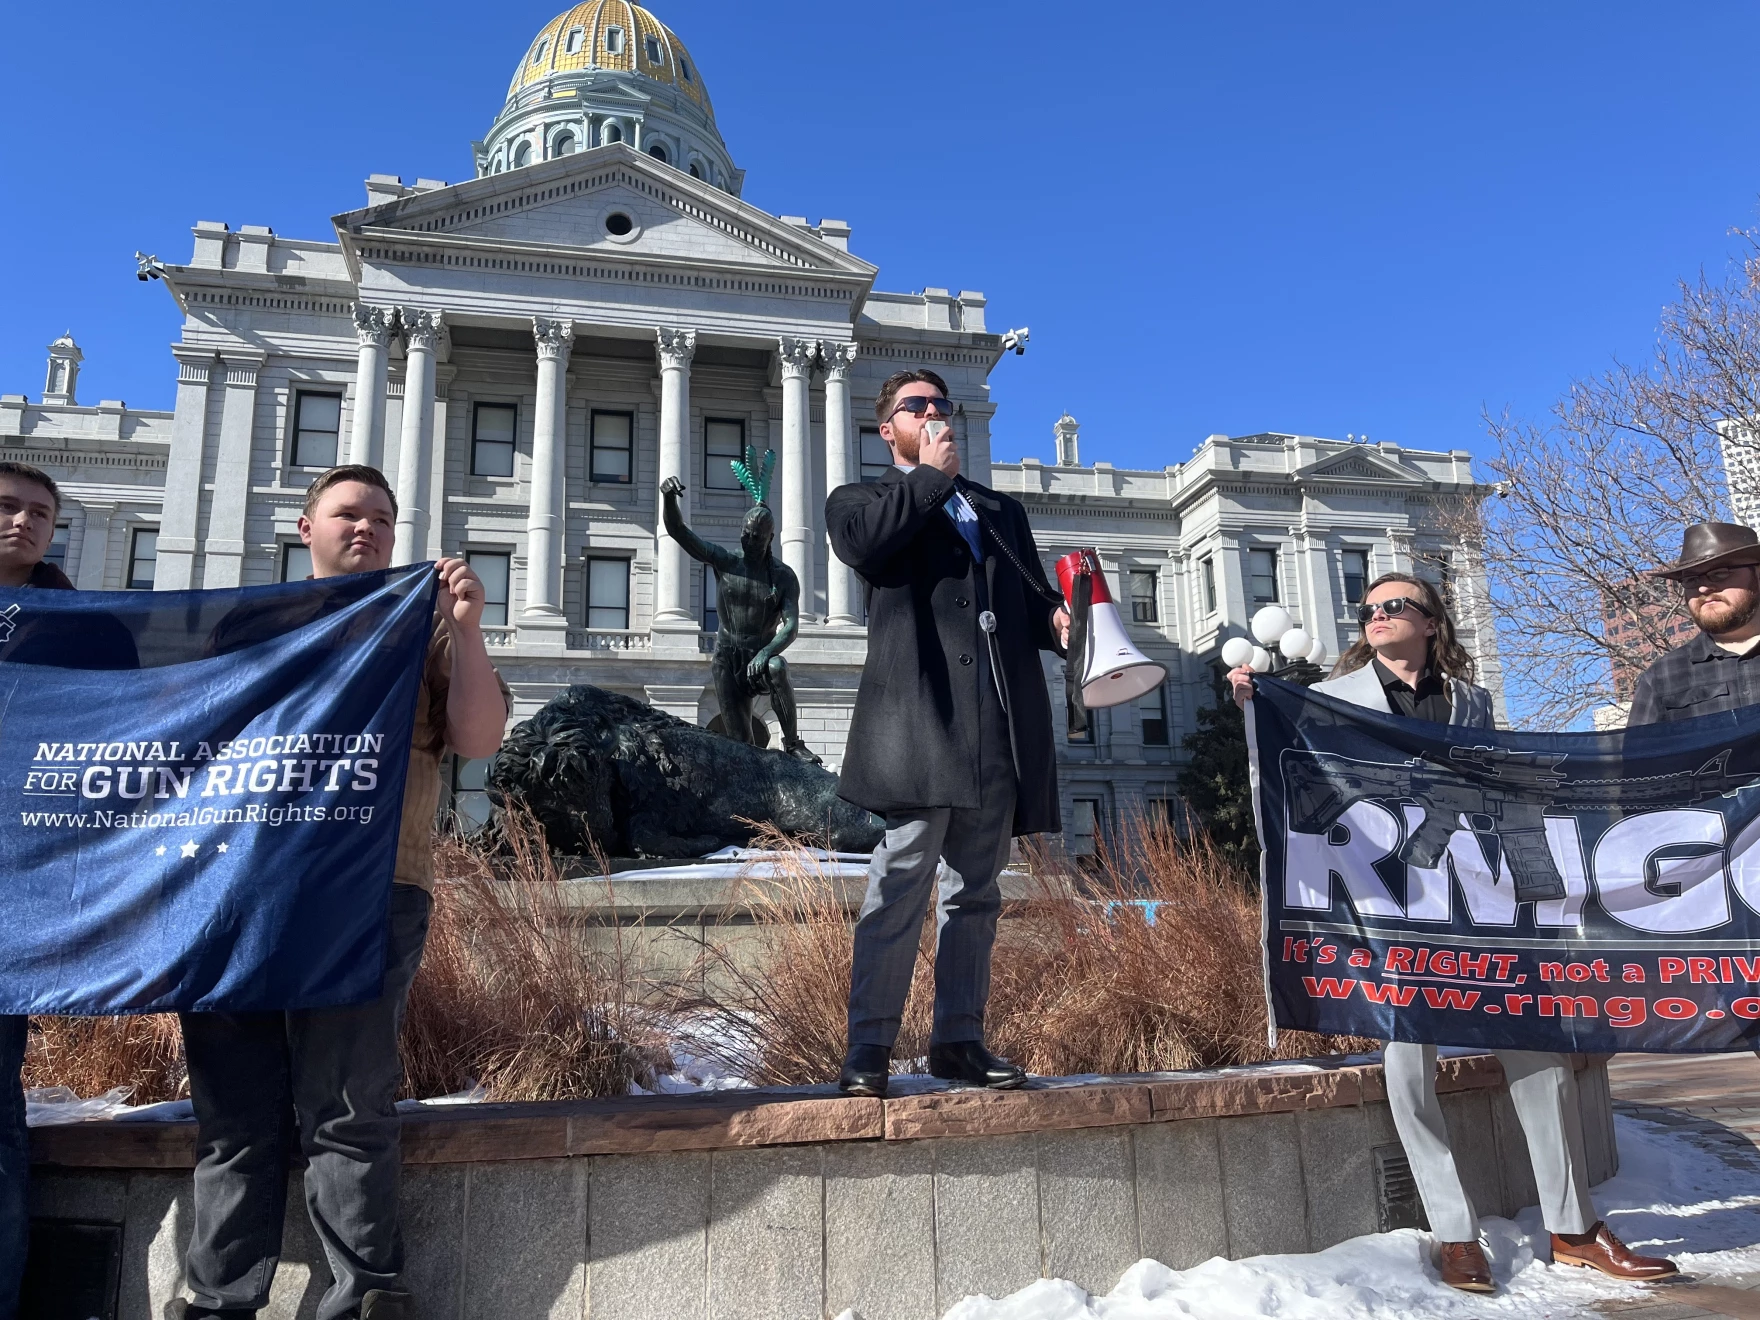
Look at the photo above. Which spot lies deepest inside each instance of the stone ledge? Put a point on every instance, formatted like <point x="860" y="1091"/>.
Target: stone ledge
<point x="721" y="1120"/>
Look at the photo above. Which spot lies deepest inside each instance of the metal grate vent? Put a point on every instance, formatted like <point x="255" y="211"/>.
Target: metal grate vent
<point x="1397" y="1203"/>
<point x="74" y="1271"/>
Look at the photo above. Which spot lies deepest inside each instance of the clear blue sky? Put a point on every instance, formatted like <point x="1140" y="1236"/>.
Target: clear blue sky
<point x="1369" y="218"/>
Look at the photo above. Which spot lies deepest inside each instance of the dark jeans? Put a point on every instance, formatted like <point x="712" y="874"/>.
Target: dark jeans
<point x="15" y="1164"/>
<point x="329" y="1078"/>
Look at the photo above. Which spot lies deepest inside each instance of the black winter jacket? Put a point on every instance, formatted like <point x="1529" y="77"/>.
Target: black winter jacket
<point x="913" y="741"/>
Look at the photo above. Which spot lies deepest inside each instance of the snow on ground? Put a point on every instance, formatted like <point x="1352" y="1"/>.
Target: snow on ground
<point x="1671" y="1197"/>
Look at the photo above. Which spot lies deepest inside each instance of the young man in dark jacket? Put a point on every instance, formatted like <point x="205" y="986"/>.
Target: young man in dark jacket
<point x="29" y="504"/>
<point x="951" y="737"/>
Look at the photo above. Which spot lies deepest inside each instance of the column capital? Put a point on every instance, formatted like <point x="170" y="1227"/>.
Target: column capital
<point x="374" y="325"/>
<point x="797" y="356"/>
<point x="837" y="359"/>
<point x="422" y="328"/>
<point x="676" y="347"/>
<point x="555" y="339"/>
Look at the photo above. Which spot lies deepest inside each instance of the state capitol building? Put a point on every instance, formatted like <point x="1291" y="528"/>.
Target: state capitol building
<point x="529" y="353"/>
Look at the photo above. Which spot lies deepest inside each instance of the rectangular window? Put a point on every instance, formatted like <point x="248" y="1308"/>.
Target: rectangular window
<point x="1356" y="575"/>
<point x="470" y="793"/>
<point x="1436" y="569"/>
<point x="1144" y="598"/>
<point x="1207" y="573"/>
<point x="492" y="432"/>
<point x="143" y="554"/>
<point x="491" y="566"/>
<point x="1084" y="829"/>
<point x="711" y="616"/>
<point x="724" y="439"/>
<point x="611" y="446"/>
<point x="296" y="562"/>
<point x="317" y="422"/>
<point x="876" y="457"/>
<point x="57" y="553"/>
<point x="607" y="593"/>
<point x="1161" y="813"/>
<point x="1263" y="567"/>
<point x="1152" y="706"/>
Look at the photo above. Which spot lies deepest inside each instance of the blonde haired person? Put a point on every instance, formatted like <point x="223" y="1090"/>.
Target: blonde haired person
<point x="1408" y="662"/>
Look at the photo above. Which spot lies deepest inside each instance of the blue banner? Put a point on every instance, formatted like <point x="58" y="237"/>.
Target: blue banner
<point x="200" y="791"/>
<point x="1573" y="892"/>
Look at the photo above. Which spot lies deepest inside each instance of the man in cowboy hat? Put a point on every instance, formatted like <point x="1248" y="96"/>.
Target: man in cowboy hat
<point x="1719" y="573"/>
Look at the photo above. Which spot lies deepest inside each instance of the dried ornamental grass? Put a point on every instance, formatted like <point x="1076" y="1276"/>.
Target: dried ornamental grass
<point x="510" y="997"/>
<point x="96" y="1054"/>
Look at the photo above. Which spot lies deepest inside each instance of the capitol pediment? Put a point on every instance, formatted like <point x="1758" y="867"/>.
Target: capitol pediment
<point x="1358" y="463"/>
<point x="612" y="202"/>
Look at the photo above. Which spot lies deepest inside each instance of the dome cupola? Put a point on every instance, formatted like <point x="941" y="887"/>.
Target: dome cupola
<point x="608" y="71"/>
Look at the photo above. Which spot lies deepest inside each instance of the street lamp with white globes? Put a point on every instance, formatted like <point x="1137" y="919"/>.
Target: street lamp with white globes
<point x="1273" y="627"/>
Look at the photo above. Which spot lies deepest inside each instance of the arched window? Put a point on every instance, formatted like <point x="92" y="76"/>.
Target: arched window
<point x="522" y="155"/>
<point x="658" y="152"/>
<point x="614" y="41"/>
<point x="499" y="164"/>
<point x="575" y="37"/>
<point x="695" y="172"/>
<point x="564" y="145"/>
<point x="611" y="133"/>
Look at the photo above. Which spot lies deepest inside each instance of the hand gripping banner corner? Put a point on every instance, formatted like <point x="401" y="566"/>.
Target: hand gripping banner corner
<point x="1458" y="886"/>
<point x="201" y="791"/>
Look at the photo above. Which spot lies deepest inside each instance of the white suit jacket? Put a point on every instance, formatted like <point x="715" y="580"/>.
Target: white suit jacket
<point x="1470" y="703"/>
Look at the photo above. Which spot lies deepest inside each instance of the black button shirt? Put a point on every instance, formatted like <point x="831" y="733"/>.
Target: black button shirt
<point x="1428" y="701"/>
<point x="1700" y="678"/>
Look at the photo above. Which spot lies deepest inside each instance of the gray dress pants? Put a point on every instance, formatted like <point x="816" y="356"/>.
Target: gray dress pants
<point x="974" y="842"/>
<point x="323" y="1078"/>
<point x="1544" y="1091"/>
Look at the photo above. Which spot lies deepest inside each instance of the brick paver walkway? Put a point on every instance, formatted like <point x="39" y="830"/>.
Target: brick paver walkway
<point x="1714" y="1101"/>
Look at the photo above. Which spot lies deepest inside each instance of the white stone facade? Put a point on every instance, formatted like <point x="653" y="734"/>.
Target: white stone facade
<point x="529" y="353"/>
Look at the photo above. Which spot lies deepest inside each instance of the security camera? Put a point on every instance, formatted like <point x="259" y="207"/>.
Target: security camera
<point x="1016" y="340"/>
<point x="148" y="267"/>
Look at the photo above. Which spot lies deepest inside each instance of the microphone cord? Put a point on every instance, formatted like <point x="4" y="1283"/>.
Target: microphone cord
<point x="1008" y="551"/>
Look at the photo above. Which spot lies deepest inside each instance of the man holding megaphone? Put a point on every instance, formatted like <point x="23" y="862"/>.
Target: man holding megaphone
<point x="951" y="738"/>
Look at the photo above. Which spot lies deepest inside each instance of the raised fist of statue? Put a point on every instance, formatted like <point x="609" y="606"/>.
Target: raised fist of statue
<point x="672" y="486"/>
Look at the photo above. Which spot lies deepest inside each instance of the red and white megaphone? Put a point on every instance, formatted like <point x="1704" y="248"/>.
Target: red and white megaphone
<point x="1112" y="670"/>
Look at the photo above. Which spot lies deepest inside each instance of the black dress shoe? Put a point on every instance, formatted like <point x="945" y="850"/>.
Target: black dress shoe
<point x="865" y="1069"/>
<point x="969" y="1062"/>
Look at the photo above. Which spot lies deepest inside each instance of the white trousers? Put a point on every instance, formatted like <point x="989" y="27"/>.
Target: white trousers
<point x="1544" y="1090"/>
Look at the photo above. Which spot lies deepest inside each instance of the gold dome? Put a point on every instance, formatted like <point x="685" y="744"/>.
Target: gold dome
<point x="611" y="34"/>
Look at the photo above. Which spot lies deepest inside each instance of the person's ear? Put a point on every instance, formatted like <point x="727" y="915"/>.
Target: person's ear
<point x="305" y="530"/>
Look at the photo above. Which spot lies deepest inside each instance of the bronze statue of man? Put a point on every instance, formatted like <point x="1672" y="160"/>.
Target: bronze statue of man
<point x="757" y="599"/>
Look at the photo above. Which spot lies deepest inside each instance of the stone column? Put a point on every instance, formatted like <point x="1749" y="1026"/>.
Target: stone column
<point x="175" y="570"/>
<point x="374" y="327"/>
<point x="94" y="545"/>
<point x="841" y="468"/>
<point x="421" y="339"/>
<point x="795" y="470"/>
<point x="223" y="551"/>
<point x="672" y="606"/>
<point x="544" y="516"/>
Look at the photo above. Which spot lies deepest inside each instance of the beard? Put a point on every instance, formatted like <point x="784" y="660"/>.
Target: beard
<point x="907" y="446"/>
<point x="1719" y="616"/>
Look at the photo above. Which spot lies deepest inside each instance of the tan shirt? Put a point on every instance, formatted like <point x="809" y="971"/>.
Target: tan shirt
<point x="421" y="789"/>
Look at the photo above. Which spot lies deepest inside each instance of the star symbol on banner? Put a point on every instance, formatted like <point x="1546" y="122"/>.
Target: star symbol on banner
<point x="159" y="851"/>
<point x="189" y="849"/>
<point x="219" y="847"/>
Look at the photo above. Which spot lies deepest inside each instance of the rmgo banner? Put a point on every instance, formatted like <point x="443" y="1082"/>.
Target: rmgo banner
<point x="1571" y="892"/>
<point x="200" y="791"/>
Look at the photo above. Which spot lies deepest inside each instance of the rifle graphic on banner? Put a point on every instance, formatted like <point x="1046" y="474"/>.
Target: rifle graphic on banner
<point x="1571" y="892"/>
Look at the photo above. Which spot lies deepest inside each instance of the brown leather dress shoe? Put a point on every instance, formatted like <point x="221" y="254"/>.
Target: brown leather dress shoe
<point x="1611" y="1256"/>
<point x="1463" y="1265"/>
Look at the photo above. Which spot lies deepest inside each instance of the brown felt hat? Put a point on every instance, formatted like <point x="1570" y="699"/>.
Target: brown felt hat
<point x="1711" y="545"/>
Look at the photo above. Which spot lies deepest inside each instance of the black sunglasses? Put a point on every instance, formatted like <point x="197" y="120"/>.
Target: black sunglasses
<point x="918" y="404"/>
<point x="1392" y="608"/>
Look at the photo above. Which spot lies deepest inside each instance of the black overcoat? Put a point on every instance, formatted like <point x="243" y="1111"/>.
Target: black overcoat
<point x="913" y="741"/>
